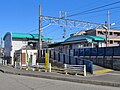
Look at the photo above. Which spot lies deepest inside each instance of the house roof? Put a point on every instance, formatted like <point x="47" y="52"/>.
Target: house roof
<point x="80" y="38"/>
<point x="25" y="36"/>
<point x="84" y="37"/>
<point x="97" y="38"/>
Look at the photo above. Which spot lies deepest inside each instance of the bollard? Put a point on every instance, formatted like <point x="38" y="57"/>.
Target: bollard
<point x="26" y="68"/>
<point x="20" y="65"/>
<point x="49" y="67"/>
<point x="45" y="70"/>
<point x="75" y="74"/>
<point x="65" y="68"/>
<point x="15" y="64"/>
<point x="47" y="61"/>
<point x="5" y="63"/>
<point x="84" y="70"/>
<point x="33" y="69"/>
<point x="2" y="62"/>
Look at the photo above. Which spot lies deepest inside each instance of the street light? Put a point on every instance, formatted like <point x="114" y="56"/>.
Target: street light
<point x="106" y="34"/>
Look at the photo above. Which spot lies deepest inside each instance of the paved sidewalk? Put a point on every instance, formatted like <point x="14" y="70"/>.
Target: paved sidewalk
<point x="106" y="79"/>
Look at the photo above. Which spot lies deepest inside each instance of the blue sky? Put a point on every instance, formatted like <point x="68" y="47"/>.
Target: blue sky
<point x="22" y="15"/>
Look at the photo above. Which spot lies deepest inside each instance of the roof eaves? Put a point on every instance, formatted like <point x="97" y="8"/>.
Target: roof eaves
<point x="96" y="38"/>
<point x="74" y="41"/>
<point x="27" y="36"/>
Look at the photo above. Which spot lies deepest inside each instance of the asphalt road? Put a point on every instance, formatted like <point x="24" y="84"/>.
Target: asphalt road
<point x="16" y="82"/>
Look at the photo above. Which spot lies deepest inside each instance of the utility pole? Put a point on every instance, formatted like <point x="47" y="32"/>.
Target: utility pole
<point x="106" y="33"/>
<point x="40" y="28"/>
<point x="107" y="29"/>
<point x="108" y="25"/>
<point x="64" y="35"/>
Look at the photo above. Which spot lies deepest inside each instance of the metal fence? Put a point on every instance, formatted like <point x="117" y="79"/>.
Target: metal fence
<point x="67" y="59"/>
<point x="103" y="51"/>
<point x="104" y="56"/>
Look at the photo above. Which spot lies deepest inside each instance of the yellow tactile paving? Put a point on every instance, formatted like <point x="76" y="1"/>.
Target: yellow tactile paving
<point x="102" y="71"/>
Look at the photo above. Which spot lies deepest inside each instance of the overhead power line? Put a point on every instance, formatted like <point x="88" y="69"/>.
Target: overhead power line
<point x="117" y="27"/>
<point x="100" y="10"/>
<point x="32" y="30"/>
<point x="89" y="4"/>
<point x="94" y="8"/>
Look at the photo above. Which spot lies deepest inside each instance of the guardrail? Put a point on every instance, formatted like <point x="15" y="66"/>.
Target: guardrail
<point x="75" y="67"/>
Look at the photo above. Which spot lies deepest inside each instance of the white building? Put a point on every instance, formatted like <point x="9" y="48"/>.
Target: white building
<point x="23" y="55"/>
<point x="15" y="41"/>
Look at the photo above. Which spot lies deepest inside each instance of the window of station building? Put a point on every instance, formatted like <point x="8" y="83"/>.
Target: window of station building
<point x="111" y="42"/>
<point x="70" y="46"/>
<point x="100" y="33"/>
<point x="116" y="34"/>
<point x="110" y="33"/>
<point x="116" y="42"/>
<point x="24" y="42"/>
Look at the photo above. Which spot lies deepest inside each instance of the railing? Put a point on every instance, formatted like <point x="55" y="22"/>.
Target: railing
<point x="67" y="59"/>
<point x="75" y="67"/>
<point x="40" y="65"/>
<point x="105" y="56"/>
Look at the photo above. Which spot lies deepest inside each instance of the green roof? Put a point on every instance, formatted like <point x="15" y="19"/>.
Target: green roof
<point x="79" y="38"/>
<point x="26" y="36"/>
<point x="97" y="38"/>
<point x="84" y="38"/>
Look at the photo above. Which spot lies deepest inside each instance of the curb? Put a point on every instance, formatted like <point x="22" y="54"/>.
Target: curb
<point x="94" y="82"/>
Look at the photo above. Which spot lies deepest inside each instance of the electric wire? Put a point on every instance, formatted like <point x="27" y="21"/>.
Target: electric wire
<point x="118" y="27"/>
<point x="100" y="10"/>
<point x="81" y="7"/>
<point x="94" y="8"/>
<point x="32" y="30"/>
